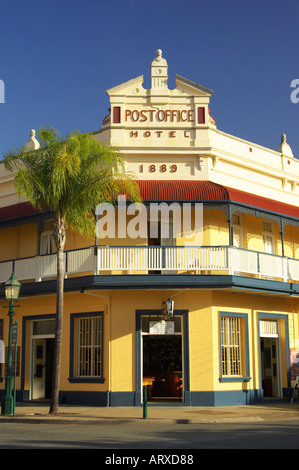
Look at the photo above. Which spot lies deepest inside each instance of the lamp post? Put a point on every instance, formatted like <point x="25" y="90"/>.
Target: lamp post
<point x="12" y="292"/>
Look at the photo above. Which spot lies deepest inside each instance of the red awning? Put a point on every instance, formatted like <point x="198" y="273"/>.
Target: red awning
<point x="209" y="191"/>
<point x="263" y="202"/>
<point x="182" y="191"/>
<point x="16" y="210"/>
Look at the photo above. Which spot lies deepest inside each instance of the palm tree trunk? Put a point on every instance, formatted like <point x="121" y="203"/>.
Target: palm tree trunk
<point x="59" y="235"/>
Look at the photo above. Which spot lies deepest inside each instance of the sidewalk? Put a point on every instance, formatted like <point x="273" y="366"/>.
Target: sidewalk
<point x="266" y="412"/>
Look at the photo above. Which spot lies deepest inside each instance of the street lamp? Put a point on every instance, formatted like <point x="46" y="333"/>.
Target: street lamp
<point x="12" y="292"/>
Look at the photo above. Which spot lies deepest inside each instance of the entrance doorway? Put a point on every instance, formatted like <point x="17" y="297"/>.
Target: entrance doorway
<point x="42" y="358"/>
<point x="270" y="358"/>
<point x="162" y="360"/>
<point x="270" y="367"/>
<point x="162" y="367"/>
<point x="42" y="368"/>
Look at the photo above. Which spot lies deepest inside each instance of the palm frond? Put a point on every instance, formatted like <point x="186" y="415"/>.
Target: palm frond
<point x="71" y="176"/>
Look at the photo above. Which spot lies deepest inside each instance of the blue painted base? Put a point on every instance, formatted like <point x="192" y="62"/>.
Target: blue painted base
<point x="228" y="398"/>
<point x="231" y="398"/>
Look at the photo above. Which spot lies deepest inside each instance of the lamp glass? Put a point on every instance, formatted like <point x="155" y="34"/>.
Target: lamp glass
<point x="12" y="288"/>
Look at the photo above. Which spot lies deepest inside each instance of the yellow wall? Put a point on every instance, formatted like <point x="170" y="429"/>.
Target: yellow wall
<point x="18" y="242"/>
<point x="119" y="333"/>
<point x="215" y="228"/>
<point x="119" y="327"/>
<point x="22" y="240"/>
<point x="202" y="353"/>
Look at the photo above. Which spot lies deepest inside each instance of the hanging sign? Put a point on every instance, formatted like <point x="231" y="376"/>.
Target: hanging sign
<point x="14" y="332"/>
<point x="161" y="327"/>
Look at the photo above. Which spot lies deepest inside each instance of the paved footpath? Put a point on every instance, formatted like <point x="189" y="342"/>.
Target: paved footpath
<point x="266" y="412"/>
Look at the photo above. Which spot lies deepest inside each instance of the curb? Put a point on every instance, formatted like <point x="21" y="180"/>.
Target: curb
<point x="107" y="421"/>
<point x="88" y="415"/>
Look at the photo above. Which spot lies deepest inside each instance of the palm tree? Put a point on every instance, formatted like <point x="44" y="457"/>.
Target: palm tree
<point x="69" y="176"/>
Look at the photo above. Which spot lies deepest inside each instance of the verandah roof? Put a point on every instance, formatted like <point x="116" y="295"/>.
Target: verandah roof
<point x="209" y="191"/>
<point x="182" y="190"/>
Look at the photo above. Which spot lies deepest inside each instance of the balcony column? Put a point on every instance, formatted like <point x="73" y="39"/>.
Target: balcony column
<point x="282" y="236"/>
<point x="229" y="221"/>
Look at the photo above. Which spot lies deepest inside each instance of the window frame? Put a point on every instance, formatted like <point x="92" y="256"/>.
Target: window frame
<point x="74" y="343"/>
<point x="50" y="241"/>
<point x="270" y="234"/>
<point x="244" y="348"/>
<point x="238" y="226"/>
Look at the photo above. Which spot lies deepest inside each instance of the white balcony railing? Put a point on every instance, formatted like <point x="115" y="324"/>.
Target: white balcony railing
<point x="149" y="259"/>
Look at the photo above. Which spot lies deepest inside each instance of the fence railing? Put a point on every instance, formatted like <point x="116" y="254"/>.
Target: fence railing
<point x="151" y="259"/>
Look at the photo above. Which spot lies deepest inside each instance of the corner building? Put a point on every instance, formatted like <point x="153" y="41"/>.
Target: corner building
<point x="233" y="336"/>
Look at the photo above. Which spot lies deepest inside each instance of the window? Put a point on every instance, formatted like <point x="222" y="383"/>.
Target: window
<point x="87" y="347"/>
<point x="268" y="237"/>
<point x="116" y="114"/>
<point x="269" y="328"/>
<point x="43" y="327"/>
<point x="47" y="243"/>
<point x="267" y="226"/>
<point x="237" y="230"/>
<point x="231" y="347"/>
<point x="201" y="115"/>
<point x="234" y="354"/>
<point x="236" y="219"/>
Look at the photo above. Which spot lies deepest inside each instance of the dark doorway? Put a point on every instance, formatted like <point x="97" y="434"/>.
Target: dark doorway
<point x="162" y="366"/>
<point x="270" y="367"/>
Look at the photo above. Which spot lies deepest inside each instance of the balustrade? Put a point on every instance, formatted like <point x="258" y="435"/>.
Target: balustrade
<point x="149" y="259"/>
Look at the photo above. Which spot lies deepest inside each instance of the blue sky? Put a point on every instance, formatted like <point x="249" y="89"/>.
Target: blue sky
<point x="58" y="58"/>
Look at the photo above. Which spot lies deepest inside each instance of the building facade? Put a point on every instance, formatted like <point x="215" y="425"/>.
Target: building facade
<point x="229" y="334"/>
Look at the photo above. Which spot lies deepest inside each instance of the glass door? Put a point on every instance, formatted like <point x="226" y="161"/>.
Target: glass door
<point x="42" y="356"/>
<point x="38" y="369"/>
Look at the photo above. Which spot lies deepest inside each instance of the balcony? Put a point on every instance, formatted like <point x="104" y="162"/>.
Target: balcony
<point x="97" y="260"/>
